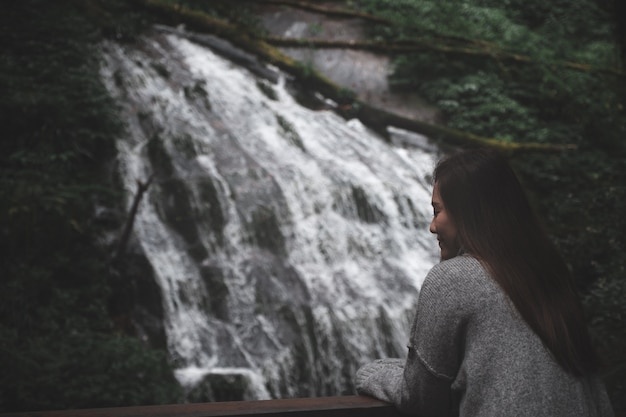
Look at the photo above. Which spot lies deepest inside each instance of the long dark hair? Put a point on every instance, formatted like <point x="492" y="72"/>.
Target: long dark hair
<point x="496" y="224"/>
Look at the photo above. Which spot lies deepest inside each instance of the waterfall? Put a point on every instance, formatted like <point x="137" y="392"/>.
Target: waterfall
<point x="288" y="243"/>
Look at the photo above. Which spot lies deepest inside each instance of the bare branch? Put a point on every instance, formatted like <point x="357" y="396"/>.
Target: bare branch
<point x="142" y="187"/>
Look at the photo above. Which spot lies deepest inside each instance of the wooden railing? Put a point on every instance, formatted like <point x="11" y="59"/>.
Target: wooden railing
<point x="345" y="406"/>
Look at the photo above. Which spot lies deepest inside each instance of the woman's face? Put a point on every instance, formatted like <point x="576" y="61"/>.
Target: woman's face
<point x="443" y="226"/>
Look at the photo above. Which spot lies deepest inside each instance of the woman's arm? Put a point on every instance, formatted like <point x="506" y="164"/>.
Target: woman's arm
<point x="406" y="384"/>
<point x="421" y="384"/>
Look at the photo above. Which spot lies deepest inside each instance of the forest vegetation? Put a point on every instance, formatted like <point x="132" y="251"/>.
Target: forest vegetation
<point x="515" y="72"/>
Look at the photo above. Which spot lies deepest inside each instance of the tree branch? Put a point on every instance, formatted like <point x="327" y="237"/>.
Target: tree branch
<point x="347" y="103"/>
<point x="377" y="118"/>
<point x="327" y="11"/>
<point x="416" y="45"/>
<point x="142" y="187"/>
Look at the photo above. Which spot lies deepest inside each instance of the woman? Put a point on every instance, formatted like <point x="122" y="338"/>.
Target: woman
<point x="499" y="329"/>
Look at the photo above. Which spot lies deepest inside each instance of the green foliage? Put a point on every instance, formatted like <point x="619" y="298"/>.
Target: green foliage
<point x="483" y="78"/>
<point x="608" y="313"/>
<point x="58" y="345"/>
<point x="582" y="197"/>
<point x="478" y="103"/>
<point x="499" y="69"/>
<point x="59" y="351"/>
<point x="533" y="25"/>
<point x="235" y="13"/>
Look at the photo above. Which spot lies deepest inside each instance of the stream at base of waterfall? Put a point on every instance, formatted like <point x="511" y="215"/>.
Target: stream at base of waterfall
<point x="288" y="244"/>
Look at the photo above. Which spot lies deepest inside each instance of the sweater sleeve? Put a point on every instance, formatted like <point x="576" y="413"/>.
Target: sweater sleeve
<point x="422" y="383"/>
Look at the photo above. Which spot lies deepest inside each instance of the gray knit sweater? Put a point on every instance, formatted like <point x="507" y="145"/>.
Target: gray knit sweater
<point x="471" y="354"/>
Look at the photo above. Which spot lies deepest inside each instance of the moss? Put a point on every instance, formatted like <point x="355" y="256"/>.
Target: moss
<point x="267" y="89"/>
<point x="288" y="131"/>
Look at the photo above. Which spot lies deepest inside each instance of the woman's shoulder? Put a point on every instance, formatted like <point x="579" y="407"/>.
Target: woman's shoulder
<point x="461" y="264"/>
<point x="463" y="268"/>
<point x="459" y="279"/>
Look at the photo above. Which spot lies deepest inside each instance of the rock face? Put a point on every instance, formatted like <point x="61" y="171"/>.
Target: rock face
<point x="228" y="386"/>
<point x="363" y="72"/>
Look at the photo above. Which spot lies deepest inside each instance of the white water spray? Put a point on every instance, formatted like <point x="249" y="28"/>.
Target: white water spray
<point x="289" y="244"/>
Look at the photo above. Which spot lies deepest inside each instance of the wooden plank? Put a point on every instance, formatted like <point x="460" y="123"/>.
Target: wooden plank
<point x="341" y="406"/>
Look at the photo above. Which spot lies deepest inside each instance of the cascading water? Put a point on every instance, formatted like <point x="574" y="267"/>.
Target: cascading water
<point x="289" y="244"/>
